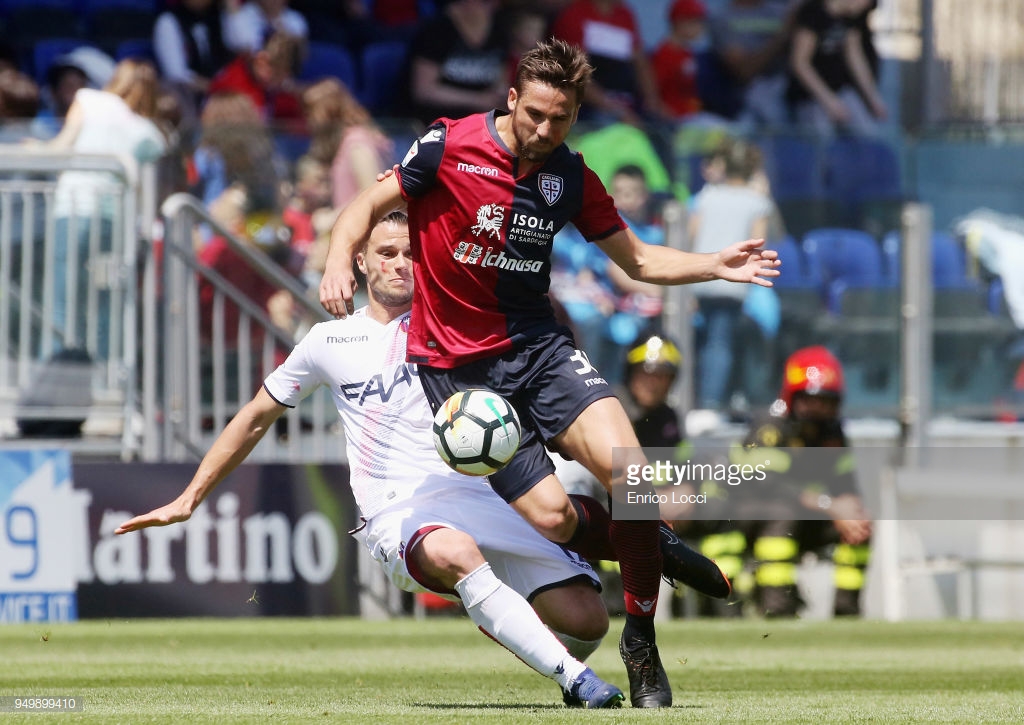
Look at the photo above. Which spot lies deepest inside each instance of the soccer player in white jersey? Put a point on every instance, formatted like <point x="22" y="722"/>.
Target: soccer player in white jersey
<point x="431" y="529"/>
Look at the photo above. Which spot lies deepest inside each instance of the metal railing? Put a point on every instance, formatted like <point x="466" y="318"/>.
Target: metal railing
<point x="67" y="280"/>
<point x="217" y="348"/>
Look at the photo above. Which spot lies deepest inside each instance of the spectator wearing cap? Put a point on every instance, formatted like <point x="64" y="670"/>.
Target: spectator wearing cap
<point x="674" y="63"/>
<point x="83" y="67"/>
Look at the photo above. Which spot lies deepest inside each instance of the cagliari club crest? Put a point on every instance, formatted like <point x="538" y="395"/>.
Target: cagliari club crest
<point x="550" y="187"/>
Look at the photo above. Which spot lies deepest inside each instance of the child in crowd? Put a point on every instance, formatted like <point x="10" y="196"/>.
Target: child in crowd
<point x="674" y="63"/>
<point x="310" y="191"/>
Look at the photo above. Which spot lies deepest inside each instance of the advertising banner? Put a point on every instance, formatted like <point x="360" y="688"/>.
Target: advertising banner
<point x="42" y="525"/>
<point x="270" y="540"/>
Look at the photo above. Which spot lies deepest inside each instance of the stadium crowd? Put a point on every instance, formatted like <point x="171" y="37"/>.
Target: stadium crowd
<point x="277" y="112"/>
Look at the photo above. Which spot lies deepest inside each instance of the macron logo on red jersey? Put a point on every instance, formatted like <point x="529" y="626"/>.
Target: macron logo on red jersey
<point x="473" y="169"/>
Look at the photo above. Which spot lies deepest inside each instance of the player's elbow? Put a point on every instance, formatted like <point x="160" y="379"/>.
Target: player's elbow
<point x="638" y="269"/>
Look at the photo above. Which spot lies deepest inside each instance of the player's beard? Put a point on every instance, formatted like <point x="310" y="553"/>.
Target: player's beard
<point x="393" y="299"/>
<point x="535" y="152"/>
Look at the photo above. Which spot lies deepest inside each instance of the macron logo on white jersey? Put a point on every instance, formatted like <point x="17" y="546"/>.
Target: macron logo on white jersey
<point x="473" y="169"/>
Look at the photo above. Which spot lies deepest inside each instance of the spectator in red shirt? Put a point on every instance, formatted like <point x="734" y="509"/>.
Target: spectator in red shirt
<point x="623" y="86"/>
<point x="310" y="192"/>
<point x="268" y="78"/>
<point x="674" y="63"/>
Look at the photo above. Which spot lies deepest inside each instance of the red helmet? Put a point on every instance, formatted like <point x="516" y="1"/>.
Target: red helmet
<point x="811" y="370"/>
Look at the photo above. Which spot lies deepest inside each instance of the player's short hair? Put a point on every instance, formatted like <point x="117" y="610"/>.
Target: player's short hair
<point x="396" y="217"/>
<point x="555" y="63"/>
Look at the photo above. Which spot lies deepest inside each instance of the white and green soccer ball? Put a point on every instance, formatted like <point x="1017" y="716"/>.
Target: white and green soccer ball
<point x="476" y="432"/>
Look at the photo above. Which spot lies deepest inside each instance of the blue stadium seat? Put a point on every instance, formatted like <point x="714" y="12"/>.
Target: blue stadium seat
<point x="383" y="65"/>
<point x="11" y="8"/>
<point x="137" y="48"/>
<point x="28" y="22"/>
<point x="796" y="274"/>
<point x="793" y="166"/>
<point x="863" y="176"/>
<point x="864" y="322"/>
<point x="291" y="146"/>
<point x="800" y="295"/>
<point x="718" y="91"/>
<point x="328" y="60"/>
<point x="109" y="22"/>
<point x="949" y="260"/>
<point x="847" y="254"/>
<point x="858" y="169"/>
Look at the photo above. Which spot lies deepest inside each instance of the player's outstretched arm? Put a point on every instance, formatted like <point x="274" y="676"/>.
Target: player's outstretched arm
<point x="347" y="236"/>
<point x="232" y="446"/>
<point x="746" y="261"/>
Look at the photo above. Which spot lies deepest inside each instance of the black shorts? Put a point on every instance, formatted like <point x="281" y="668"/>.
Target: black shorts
<point x="548" y="381"/>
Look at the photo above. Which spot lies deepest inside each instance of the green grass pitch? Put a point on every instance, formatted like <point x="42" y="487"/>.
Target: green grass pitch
<point x="444" y="671"/>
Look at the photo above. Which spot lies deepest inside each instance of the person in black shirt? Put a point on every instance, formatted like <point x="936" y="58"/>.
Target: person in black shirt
<point x="831" y="83"/>
<point x="458" y="62"/>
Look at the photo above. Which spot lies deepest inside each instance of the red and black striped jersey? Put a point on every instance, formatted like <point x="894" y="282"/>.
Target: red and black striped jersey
<point x="481" y="238"/>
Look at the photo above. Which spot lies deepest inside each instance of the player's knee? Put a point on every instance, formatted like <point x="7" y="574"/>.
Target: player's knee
<point x="556" y="525"/>
<point x="448" y="555"/>
<point x="576" y="610"/>
<point x="592" y="618"/>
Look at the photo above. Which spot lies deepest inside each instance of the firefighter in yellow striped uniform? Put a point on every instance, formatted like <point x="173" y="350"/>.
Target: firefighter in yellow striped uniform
<point x="809" y="500"/>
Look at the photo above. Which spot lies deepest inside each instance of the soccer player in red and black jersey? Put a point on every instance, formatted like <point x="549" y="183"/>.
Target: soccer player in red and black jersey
<point x="486" y="195"/>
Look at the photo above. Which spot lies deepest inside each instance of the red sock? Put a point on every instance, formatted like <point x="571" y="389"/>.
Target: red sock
<point x="636" y="543"/>
<point x="591" y="540"/>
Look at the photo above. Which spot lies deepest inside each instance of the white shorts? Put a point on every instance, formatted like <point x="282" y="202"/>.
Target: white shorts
<point x="519" y="556"/>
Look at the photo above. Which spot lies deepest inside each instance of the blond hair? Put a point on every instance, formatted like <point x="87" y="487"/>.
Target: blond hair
<point x="137" y="83"/>
<point x="331" y="109"/>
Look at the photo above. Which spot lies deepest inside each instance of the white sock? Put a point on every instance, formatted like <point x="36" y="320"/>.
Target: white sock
<point x="503" y="614"/>
<point x="578" y="648"/>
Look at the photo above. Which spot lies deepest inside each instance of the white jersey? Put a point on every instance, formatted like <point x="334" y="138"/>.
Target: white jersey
<point x="384" y="411"/>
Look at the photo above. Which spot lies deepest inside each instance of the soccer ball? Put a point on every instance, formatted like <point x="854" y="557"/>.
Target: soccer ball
<point x="476" y="432"/>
